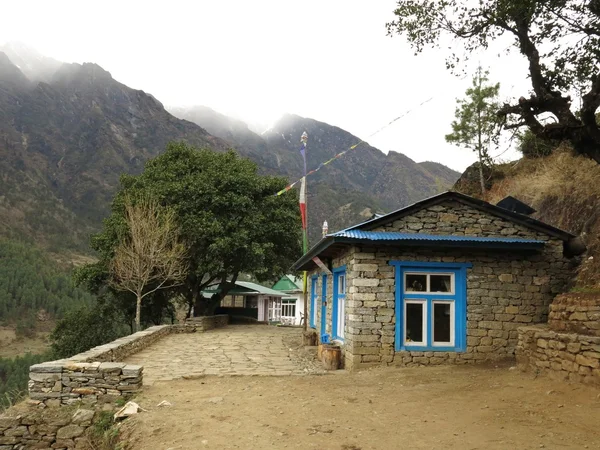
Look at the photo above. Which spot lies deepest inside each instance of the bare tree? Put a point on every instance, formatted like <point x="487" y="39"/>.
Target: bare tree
<point x="151" y="256"/>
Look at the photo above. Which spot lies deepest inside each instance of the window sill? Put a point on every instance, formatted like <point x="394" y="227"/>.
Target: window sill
<point x="415" y="348"/>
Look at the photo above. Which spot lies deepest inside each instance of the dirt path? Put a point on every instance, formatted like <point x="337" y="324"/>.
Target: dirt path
<point x="392" y="408"/>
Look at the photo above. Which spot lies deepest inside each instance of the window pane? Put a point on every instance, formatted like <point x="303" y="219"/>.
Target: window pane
<point x="414" y="322"/>
<point x="441" y="322"/>
<point x="440" y="283"/>
<point x="416" y="282"/>
<point x="342" y="284"/>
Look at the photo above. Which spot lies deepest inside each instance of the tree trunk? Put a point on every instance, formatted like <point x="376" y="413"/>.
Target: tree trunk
<point x="138" y="313"/>
<point x="208" y="306"/>
<point x="481" y="177"/>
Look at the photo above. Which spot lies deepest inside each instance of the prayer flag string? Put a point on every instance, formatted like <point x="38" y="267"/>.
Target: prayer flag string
<point x="323" y="164"/>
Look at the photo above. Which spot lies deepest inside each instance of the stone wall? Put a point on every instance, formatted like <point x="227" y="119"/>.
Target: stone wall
<point x="575" y="313"/>
<point x="200" y="324"/>
<point x="30" y="428"/>
<point x="97" y="375"/>
<point x="59" y="383"/>
<point x="121" y="348"/>
<point x="562" y="356"/>
<point x="504" y="290"/>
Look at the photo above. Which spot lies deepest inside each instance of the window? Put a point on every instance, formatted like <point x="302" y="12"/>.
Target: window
<point x="415" y="325"/>
<point x="339" y="303"/>
<point x="288" y="307"/>
<point x="274" y="309"/>
<point x="342" y="284"/>
<point x="251" y="302"/>
<point x="429" y="282"/>
<point x="430" y="306"/>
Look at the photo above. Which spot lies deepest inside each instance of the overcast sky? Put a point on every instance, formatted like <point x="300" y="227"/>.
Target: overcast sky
<point x="326" y="59"/>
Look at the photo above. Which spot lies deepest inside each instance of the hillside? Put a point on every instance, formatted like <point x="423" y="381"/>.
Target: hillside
<point x="562" y="188"/>
<point x="68" y="131"/>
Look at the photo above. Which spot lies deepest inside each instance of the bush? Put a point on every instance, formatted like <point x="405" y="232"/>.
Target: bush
<point x="534" y="147"/>
<point x="87" y="327"/>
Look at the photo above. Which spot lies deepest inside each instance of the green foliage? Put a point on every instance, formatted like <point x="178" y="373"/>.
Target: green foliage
<point x="26" y="326"/>
<point x="532" y="146"/>
<point x="14" y="376"/>
<point x="87" y="327"/>
<point x="228" y="216"/>
<point x="477" y="125"/>
<point x="559" y="39"/>
<point x="30" y="282"/>
<point x="569" y="62"/>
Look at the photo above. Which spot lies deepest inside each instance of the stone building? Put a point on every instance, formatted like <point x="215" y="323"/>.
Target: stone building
<point x="447" y="279"/>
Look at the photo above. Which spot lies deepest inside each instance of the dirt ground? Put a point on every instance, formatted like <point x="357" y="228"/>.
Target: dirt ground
<point x="390" y="408"/>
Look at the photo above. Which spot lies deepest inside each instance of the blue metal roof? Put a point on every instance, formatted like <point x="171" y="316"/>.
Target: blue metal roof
<point x="397" y="236"/>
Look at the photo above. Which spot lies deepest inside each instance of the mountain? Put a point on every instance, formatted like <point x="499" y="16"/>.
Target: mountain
<point x="34" y="65"/>
<point x="66" y="137"/>
<point x="64" y="145"/>
<point x="352" y="188"/>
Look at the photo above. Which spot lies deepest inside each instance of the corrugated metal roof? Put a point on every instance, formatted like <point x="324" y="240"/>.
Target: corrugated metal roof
<point x="397" y="236"/>
<point x="244" y="288"/>
<point x="288" y="283"/>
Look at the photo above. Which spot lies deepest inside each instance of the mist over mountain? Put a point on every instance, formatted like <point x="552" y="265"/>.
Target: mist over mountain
<point x="68" y="131"/>
<point x="34" y="65"/>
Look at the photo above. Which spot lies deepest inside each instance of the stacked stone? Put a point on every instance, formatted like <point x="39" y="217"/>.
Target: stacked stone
<point x="121" y="348"/>
<point x="563" y="356"/>
<point x="576" y="313"/>
<point x="59" y="383"/>
<point x="201" y="324"/>
<point x="504" y="290"/>
<point x="59" y="430"/>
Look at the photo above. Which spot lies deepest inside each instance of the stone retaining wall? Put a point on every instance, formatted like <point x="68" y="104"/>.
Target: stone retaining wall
<point x="26" y="428"/>
<point x="576" y="313"/>
<point x="97" y="375"/>
<point x="562" y="356"/>
<point x="199" y="324"/>
<point x="58" y="383"/>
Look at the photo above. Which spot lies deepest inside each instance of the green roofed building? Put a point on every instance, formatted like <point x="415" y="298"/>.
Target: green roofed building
<point x="292" y="304"/>
<point x="250" y="300"/>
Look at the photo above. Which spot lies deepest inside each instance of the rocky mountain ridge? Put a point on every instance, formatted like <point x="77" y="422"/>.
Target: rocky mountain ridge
<point x="66" y="139"/>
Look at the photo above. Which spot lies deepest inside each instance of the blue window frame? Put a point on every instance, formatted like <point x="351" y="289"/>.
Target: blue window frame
<point x="313" y="301"/>
<point x="431" y="306"/>
<point x="338" y="310"/>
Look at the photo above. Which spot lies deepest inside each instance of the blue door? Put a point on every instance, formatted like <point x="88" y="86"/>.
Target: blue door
<point x="313" y="302"/>
<point x="323" y="307"/>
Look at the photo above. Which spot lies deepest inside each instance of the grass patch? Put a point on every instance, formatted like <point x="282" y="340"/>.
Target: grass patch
<point x="104" y="433"/>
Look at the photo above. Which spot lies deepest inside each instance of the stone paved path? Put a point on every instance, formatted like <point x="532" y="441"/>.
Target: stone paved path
<point x="233" y="350"/>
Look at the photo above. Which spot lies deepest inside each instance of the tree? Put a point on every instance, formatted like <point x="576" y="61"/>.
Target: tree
<point x="476" y="126"/>
<point x="86" y="327"/>
<point x="227" y="214"/>
<point x="559" y="38"/>
<point x="150" y="256"/>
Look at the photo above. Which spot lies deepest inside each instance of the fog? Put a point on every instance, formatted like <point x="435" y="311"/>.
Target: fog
<point x="328" y="60"/>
